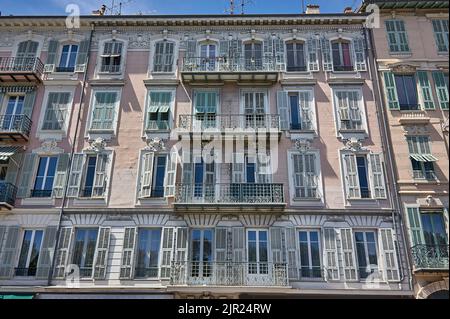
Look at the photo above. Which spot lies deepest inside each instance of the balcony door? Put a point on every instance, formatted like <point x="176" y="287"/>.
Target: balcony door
<point x="202" y="256"/>
<point x="26" y="54"/>
<point x="205" y="110"/>
<point x="204" y="182"/>
<point x="253" y="56"/>
<point x="255" y="110"/>
<point x="257" y="256"/>
<point x="208" y="54"/>
<point x="434" y="232"/>
<point x="12" y="116"/>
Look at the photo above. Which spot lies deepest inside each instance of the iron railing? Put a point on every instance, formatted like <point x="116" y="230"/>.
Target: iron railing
<point x="230" y="121"/>
<point x="231" y="64"/>
<point x="25" y="272"/>
<point x="7" y="193"/>
<point x="13" y="64"/>
<point x="430" y="257"/>
<point x="231" y="274"/>
<point x="229" y="194"/>
<point x="344" y="68"/>
<point x="15" y="124"/>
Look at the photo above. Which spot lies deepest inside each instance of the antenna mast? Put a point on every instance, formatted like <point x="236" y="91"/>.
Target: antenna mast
<point x="303" y="6"/>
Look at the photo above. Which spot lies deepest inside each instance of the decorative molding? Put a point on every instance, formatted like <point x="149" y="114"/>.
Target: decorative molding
<point x="49" y="147"/>
<point x="98" y="145"/>
<point x="404" y="68"/>
<point x="303" y="145"/>
<point x="155" y="144"/>
<point x="416" y="130"/>
<point x="354" y="144"/>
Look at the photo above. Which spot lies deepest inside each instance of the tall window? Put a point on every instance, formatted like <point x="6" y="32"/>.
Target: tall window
<point x="94" y="183"/>
<point x="29" y="253"/>
<point x="68" y="58"/>
<point x="397" y="36"/>
<point x="305" y="176"/>
<point x="301" y="111"/>
<point x="164" y="56"/>
<point x="440" y="28"/>
<point x="12" y="116"/>
<point x="407" y="92"/>
<point x="296" y="57"/>
<point x="254" y="109"/>
<point x="202" y="253"/>
<point x="56" y="111"/>
<point x="253" y="56"/>
<point x="84" y="250"/>
<point x="26" y="54"/>
<point x="148" y="253"/>
<point x="206" y="107"/>
<point x="342" y="60"/>
<point x="159" y="110"/>
<point x="208" y="53"/>
<point x="422" y="160"/>
<point x="350" y="110"/>
<point x="199" y="180"/>
<point x="310" y="254"/>
<point x="434" y="230"/>
<point x="104" y="110"/>
<point x="258" y="252"/>
<point x="363" y="176"/>
<point x="112" y="57"/>
<point x="153" y="175"/>
<point x="366" y="250"/>
<point x="45" y="177"/>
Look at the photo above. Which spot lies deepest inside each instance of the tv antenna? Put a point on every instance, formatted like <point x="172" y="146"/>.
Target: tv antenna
<point x="242" y="4"/>
<point x="116" y="9"/>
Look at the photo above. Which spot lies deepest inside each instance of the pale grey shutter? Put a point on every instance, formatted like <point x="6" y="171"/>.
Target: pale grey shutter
<point x="46" y="254"/>
<point x="191" y="52"/>
<point x="283" y="109"/>
<point x="292" y="253"/>
<point x="425" y="87"/>
<point x="276" y="245"/>
<point x="238" y="234"/>
<point x="62" y="252"/>
<point x="224" y="48"/>
<point x="327" y="58"/>
<point x="82" y="56"/>
<point x="415" y="229"/>
<point x="147" y="175"/>
<point x="343" y="101"/>
<point x="181" y="244"/>
<point x="307" y="119"/>
<point x="171" y="175"/>
<point x="348" y="255"/>
<point x="238" y="168"/>
<point x="280" y="50"/>
<point x="2" y="235"/>
<point x="331" y="255"/>
<point x="51" y="56"/>
<point x="389" y="255"/>
<point x="178" y="257"/>
<point x="100" y="180"/>
<point x="378" y="176"/>
<point x="128" y="252"/>
<point x="391" y="91"/>
<point x="76" y="173"/>
<point x="13" y="168"/>
<point x="24" y="188"/>
<point x="1" y="98"/>
<point x="101" y="253"/>
<point x="60" y="177"/>
<point x="167" y="249"/>
<point x="360" y="54"/>
<point x="28" y="103"/>
<point x="313" y="60"/>
<point x="221" y="245"/>
<point x="8" y="253"/>
<point x="351" y="176"/>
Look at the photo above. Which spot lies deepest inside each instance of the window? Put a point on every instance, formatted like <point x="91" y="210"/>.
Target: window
<point x="26" y="55"/>
<point x="258" y="252"/>
<point x="3" y="170"/>
<point x="296" y="57"/>
<point x="422" y="160"/>
<point x="56" y="111"/>
<point x="164" y="56"/>
<point x="305" y="178"/>
<point x="250" y="169"/>
<point x="208" y="53"/>
<point x="153" y="175"/>
<point x="407" y="92"/>
<point x="397" y="36"/>
<point x="12" y="116"/>
<point x="253" y="56"/>
<point x="84" y="250"/>
<point x="29" y="253"/>
<point x="94" y="184"/>
<point x="434" y="230"/>
<point x="202" y="253"/>
<point x="158" y="114"/>
<point x="300" y="111"/>
<point x="254" y="105"/>
<point x="199" y="180"/>
<point x="111" y="59"/>
<point x="206" y="107"/>
<point x="45" y="176"/>
<point x="104" y="111"/>
<point x="68" y="58"/>
<point x="342" y="60"/>
<point x="310" y="254"/>
<point x="363" y="176"/>
<point x="440" y="28"/>
<point x="366" y="251"/>
<point x="149" y="241"/>
<point x="350" y="110"/>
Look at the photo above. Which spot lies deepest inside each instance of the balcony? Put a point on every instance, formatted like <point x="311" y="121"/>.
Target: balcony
<point x="14" y="128"/>
<point x="430" y="258"/>
<point x="222" y="69"/>
<point x="229" y="274"/>
<point x="7" y="195"/>
<point x="21" y="69"/>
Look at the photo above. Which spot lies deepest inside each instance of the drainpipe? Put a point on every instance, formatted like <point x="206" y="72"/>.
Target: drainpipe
<point x="72" y="152"/>
<point x="390" y="163"/>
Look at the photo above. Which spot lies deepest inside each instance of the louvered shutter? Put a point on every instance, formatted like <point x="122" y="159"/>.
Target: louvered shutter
<point x="224" y="48"/>
<point x="279" y="49"/>
<point x="441" y="89"/>
<point x="415" y="229"/>
<point x="305" y="99"/>
<point x="46" y="254"/>
<point x="276" y="234"/>
<point x="101" y="253"/>
<point x="100" y="180"/>
<point x="60" y="176"/>
<point x="2" y="95"/>
<point x="327" y="58"/>
<point x="360" y="54"/>
<point x="13" y="168"/>
<point x="391" y="91"/>
<point x="221" y="245"/>
<point x="28" y="103"/>
<point x="313" y="58"/>
<point x="425" y="87"/>
<point x="2" y="236"/>
<point x="171" y="175"/>
<point x="29" y="163"/>
<point x="191" y="52"/>
<point x="348" y="255"/>
<point x="343" y="106"/>
<point x="8" y="252"/>
<point x="351" y="176"/>
<point x="62" y="252"/>
<point x="168" y="237"/>
<point x="389" y="255"/>
<point x="179" y="265"/>
<point x="82" y="56"/>
<point x="331" y="255"/>
<point x="292" y="253"/>
<point x="51" y="56"/>
<point x="147" y="175"/>
<point x="238" y="234"/>
<point x="378" y="178"/>
<point x="238" y="176"/>
<point x="76" y="173"/>
<point x="128" y="252"/>
<point x="283" y="109"/>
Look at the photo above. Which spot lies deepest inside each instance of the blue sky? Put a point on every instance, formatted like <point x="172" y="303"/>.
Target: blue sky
<point x="57" y="7"/>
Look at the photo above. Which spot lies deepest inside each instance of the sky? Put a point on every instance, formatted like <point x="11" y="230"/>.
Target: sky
<point x="57" y="7"/>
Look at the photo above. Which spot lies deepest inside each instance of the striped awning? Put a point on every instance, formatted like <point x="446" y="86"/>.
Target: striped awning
<point x="162" y="108"/>
<point x="7" y="151"/>
<point x="424" y="158"/>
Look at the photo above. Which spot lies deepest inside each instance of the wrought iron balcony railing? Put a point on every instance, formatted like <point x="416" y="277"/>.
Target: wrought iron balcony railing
<point x="230" y="64"/>
<point x="21" y="65"/>
<point x="231" y="121"/>
<point x="7" y="193"/>
<point x="25" y="272"/>
<point x="430" y="257"/>
<point x="231" y="274"/>
<point x="230" y="194"/>
<point x="15" y="124"/>
<point x="344" y="68"/>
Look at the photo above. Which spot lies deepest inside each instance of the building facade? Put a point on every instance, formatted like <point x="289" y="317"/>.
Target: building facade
<point x="412" y="50"/>
<point x="195" y="157"/>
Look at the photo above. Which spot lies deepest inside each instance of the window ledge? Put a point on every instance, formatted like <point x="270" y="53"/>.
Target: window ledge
<point x="104" y="134"/>
<point x="38" y="201"/>
<point x="50" y="134"/>
<point x="89" y="202"/>
<point x="401" y="54"/>
<point x="151" y="201"/>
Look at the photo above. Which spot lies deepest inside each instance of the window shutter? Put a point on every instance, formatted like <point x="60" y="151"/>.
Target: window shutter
<point x="389" y="255"/>
<point x="351" y="176"/>
<point x="24" y="188"/>
<point x="292" y="253"/>
<point x="60" y="177"/>
<point x="313" y="61"/>
<point x="187" y="173"/>
<point x="440" y="28"/>
<point x="360" y="54"/>
<point x="238" y="234"/>
<point x="191" y="49"/>
<point x="2" y="235"/>
<point x="100" y="180"/>
<point x="392" y="37"/>
<point x="51" y="56"/>
<point x="276" y="245"/>
<point x="221" y="245"/>
<point x="13" y="168"/>
<point x="283" y="109"/>
<point x="171" y="175"/>
<point x="279" y="48"/>
<point x="82" y="56"/>
<point x="343" y="105"/>
<point x="426" y="90"/>
<point x="2" y="95"/>
<point x="50" y="111"/>
<point x="76" y="172"/>
<point x="46" y="254"/>
<point x="238" y="176"/>
<point x="28" y="103"/>
<point x="331" y="255"/>
<point x="415" y="227"/>
<point x="264" y="171"/>
<point x="128" y="251"/>
<point x="391" y="91"/>
<point x="348" y="256"/>
<point x="326" y="55"/>
<point x="378" y="178"/>
<point x="101" y="253"/>
<point x="181" y="245"/>
<point x="8" y="253"/>
<point x="147" y="175"/>
<point x="168" y="238"/>
<point x="307" y="117"/>
<point x="224" y="48"/>
<point x="62" y="252"/>
<point x="441" y="89"/>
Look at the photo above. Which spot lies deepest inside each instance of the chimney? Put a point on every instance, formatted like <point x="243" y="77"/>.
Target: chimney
<point x="312" y="9"/>
<point x="348" y="10"/>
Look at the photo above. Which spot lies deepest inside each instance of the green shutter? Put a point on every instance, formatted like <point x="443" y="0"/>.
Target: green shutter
<point x="60" y="177"/>
<point x="28" y="103"/>
<point x="441" y="89"/>
<point x="82" y="56"/>
<point x="426" y="90"/>
<point x="391" y="91"/>
<point x="51" y="55"/>
<point x="13" y="168"/>
<point x="27" y="175"/>
<point x="415" y="226"/>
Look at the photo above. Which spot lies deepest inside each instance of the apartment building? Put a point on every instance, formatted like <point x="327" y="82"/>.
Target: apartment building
<point x="412" y="50"/>
<point x="195" y="157"/>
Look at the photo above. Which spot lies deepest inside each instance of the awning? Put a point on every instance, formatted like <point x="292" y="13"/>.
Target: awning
<point x="153" y="108"/>
<point x="164" y="109"/>
<point x="7" y="151"/>
<point x="16" y="297"/>
<point x="159" y="108"/>
<point x="424" y="158"/>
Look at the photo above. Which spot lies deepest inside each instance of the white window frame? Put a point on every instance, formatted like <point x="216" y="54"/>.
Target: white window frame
<point x="90" y="133"/>
<point x="362" y="107"/>
<point x="33" y="230"/>
<point x="377" y="245"/>
<point x="134" y="262"/>
<point x="305" y="50"/>
<point x="59" y="54"/>
<point x="72" y="247"/>
<point x="152" y="72"/>
<point x="351" y="49"/>
<point x="319" y="234"/>
<point x="171" y="90"/>
<point x="254" y="91"/>
<point x="258" y="260"/>
<point x="299" y="90"/>
<point x="36" y="168"/>
<point x="101" y="47"/>
<point x="139" y="199"/>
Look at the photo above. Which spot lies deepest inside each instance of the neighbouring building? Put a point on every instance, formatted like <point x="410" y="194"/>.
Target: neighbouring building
<point x="412" y="52"/>
<point x="280" y="186"/>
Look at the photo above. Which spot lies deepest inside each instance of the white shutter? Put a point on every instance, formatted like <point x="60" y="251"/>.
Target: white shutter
<point x="283" y="109"/>
<point x="292" y="253"/>
<point x="305" y="100"/>
<point x="76" y="173"/>
<point x="348" y="255"/>
<point x="351" y="176"/>
<point x="378" y="178"/>
<point x="360" y="54"/>
<point x="147" y="175"/>
<point x="181" y="245"/>
<point x="128" y="251"/>
<point x="389" y="256"/>
<point x="313" y="61"/>
<point x="264" y="172"/>
<point x="62" y="252"/>
<point x="101" y="253"/>
<point x="221" y="244"/>
<point x="276" y="234"/>
<point x="100" y="179"/>
<point x="46" y="254"/>
<point x="60" y="177"/>
<point x="238" y="245"/>
<point x="331" y="255"/>
<point x="343" y="106"/>
<point x="167" y="250"/>
<point x="327" y="57"/>
<point x="237" y="169"/>
<point x="171" y="175"/>
<point x="82" y="56"/>
<point x="8" y="253"/>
